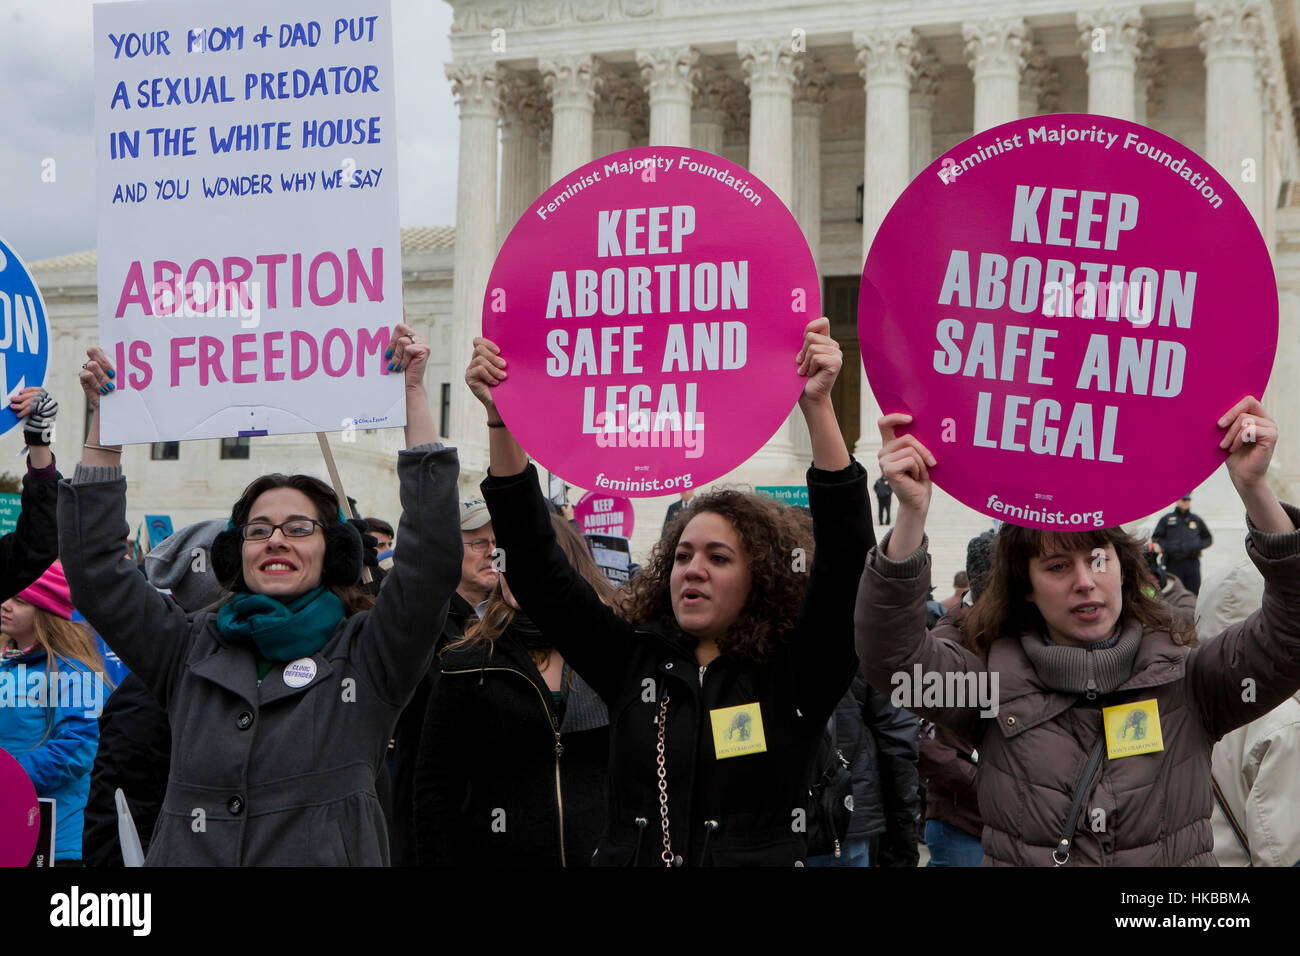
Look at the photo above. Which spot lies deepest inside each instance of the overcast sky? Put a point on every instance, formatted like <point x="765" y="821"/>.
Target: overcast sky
<point x="47" y="72"/>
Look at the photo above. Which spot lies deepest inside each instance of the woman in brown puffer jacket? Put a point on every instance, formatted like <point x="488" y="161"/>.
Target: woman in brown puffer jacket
<point x="1078" y="681"/>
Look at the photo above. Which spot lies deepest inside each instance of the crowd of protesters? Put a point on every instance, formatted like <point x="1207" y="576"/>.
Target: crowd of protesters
<point x="482" y="695"/>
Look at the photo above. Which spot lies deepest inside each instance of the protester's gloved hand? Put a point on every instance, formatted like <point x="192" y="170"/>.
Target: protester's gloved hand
<point x="37" y="408"/>
<point x="369" y="555"/>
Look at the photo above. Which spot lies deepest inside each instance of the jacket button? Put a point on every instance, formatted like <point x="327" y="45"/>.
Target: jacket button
<point x="1011" y="721"/>
<point x="235" y="805"/>
<point x="244" y="721"/>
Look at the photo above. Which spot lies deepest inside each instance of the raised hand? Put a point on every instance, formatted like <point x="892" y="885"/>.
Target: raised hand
<point x="407" y="353"/>
<point x="819" y="360"/>
<point x="487" y="370"/>
<point x="906" y="464"/>
<point x="1250" y="441"/>
<point x="96" y="376"/>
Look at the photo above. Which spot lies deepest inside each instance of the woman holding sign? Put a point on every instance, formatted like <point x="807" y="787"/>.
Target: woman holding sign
<point x="282" y="698"/>
<point x="735" y="649"/>
<point x="1096" y="732"/>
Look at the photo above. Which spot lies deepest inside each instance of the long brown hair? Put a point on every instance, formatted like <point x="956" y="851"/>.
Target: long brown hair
<point x="1003" y="608"/>
<point x="771" y="534"/>
<point x="498" y="614"/>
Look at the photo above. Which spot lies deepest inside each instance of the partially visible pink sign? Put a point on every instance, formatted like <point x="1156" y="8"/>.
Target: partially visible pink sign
<point x="1066" y="305"/>
<point x="599" y="513"/>
<point x="649" y="307"/>
<point x="20" y="815"/>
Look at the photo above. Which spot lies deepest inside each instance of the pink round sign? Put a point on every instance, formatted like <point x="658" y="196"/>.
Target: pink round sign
<point x="599" y="513"/>
<point x="649" y="307"/>
<point x="20" y="814"/>
<point x="1066" y="305"/>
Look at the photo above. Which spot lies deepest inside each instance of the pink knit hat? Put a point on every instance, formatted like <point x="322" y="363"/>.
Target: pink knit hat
<point x="50" y="592"/>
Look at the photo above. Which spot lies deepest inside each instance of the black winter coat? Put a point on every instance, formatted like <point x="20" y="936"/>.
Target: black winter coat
<point x="880" y="742"/>
<point x="504" y="778"/>
<point x="28" y="550"/>
<point x="406" y="740"/>
<point x="135" y="749"/>
<point x="735" y="811"/>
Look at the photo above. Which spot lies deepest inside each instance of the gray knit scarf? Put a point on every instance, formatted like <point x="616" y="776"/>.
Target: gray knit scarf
<point x="1076" y="670"/>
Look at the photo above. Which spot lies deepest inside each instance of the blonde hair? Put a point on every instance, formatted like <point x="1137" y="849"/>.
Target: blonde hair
<point x="61" y="639"/>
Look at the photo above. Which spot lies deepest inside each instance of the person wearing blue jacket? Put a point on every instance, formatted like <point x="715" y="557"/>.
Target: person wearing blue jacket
<point x="52" y="690"/>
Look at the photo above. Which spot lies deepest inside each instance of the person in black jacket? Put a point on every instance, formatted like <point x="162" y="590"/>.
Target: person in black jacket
<point x="880" y="743"/>
<point x="732" y="652"/>
<point x="1182" y="536"/>
<point x="515" y="745"/>
<point x="884" y="497"/>
<point x="28" y="550"/>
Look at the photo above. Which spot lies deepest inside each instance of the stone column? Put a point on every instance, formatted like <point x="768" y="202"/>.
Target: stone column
<point x="920" y="110"/>
<point x="770" y="68"/>
<point x="995" y="53"/>
<point x="573" y="82"/>
<point x="668" y="73"/>
<point x="709" y="116"/>
<point x="474" y="85"/>
<point x="1231" y="35"/>
<point x="620" y="98"/>
<point x="887" y="61"/>
<point x="812" y="91"/>
<point x="1111" y="39"/>
<point x="522" y="104"/>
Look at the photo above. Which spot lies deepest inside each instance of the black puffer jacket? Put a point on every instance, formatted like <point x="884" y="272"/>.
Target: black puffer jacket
<point x="504" y="778"/>
<point x="880" y="742"/>
<point x="734" y="811"/>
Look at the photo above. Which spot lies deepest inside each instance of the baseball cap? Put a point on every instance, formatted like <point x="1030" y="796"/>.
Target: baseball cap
<point x="473" y="514"/>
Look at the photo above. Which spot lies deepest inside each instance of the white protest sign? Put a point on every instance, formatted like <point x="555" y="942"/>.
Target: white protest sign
<point x="249" y="252"/>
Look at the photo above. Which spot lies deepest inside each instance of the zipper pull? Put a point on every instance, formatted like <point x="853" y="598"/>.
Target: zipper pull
<point x="559" y="747"/>
<point x="837" y="849"/>
<point x="1091" y="693"/>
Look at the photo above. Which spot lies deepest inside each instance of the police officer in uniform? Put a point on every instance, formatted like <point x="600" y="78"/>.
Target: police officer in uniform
<point x="1182" y="535"/>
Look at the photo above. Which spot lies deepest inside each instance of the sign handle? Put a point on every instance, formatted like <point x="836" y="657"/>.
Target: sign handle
<point x="337" y="482"/>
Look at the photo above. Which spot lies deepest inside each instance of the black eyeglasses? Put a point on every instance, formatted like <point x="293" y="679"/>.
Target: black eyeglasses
<point x="482" y="545"/>
<point x="293" y="528"/>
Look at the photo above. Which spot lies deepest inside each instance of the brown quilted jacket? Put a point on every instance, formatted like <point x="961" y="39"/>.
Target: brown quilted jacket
<point x="1145" y="810"/>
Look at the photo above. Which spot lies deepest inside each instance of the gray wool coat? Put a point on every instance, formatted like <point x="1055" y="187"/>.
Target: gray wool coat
<point x="271" y="774"/>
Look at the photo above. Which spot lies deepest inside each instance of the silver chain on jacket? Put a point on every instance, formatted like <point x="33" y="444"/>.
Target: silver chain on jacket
<point x="667" y="855"/>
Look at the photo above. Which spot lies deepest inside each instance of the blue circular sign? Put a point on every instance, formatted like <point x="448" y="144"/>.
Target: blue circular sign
<point x="24" y="332"/>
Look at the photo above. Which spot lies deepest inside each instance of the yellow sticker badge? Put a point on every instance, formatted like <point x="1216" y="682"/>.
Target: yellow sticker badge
<point x="738" y="730"/>
<point x="1132" y="729"/>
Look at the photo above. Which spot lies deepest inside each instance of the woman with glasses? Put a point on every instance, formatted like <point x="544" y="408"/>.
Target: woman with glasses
<point x="282" y="696"/>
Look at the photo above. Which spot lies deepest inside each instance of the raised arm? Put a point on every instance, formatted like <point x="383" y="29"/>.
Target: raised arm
<point x="890" y="619"/>
<point x="590" y="635"/>
<point x="1254" y="665"/>
<point x="33" y="545"/>
<point x="148" y="631"/>
<point x="400" y="633"/>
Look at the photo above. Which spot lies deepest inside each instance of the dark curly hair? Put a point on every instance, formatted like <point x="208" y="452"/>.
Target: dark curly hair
<point x="1003" y="609"/>
<point x="770" y="532"/>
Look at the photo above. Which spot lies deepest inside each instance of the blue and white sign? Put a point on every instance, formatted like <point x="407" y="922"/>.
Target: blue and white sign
<point x="24" y="332"/>
<point x="160" y="528"/>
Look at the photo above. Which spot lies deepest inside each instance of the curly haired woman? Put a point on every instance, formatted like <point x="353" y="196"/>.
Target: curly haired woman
<point x="723" y="621"/>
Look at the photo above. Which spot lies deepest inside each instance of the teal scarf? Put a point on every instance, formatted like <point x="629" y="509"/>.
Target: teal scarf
<point x="279" y="631"/>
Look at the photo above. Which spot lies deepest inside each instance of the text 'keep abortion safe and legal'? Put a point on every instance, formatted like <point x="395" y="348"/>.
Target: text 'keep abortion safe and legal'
<point x="1063" y="288"/>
